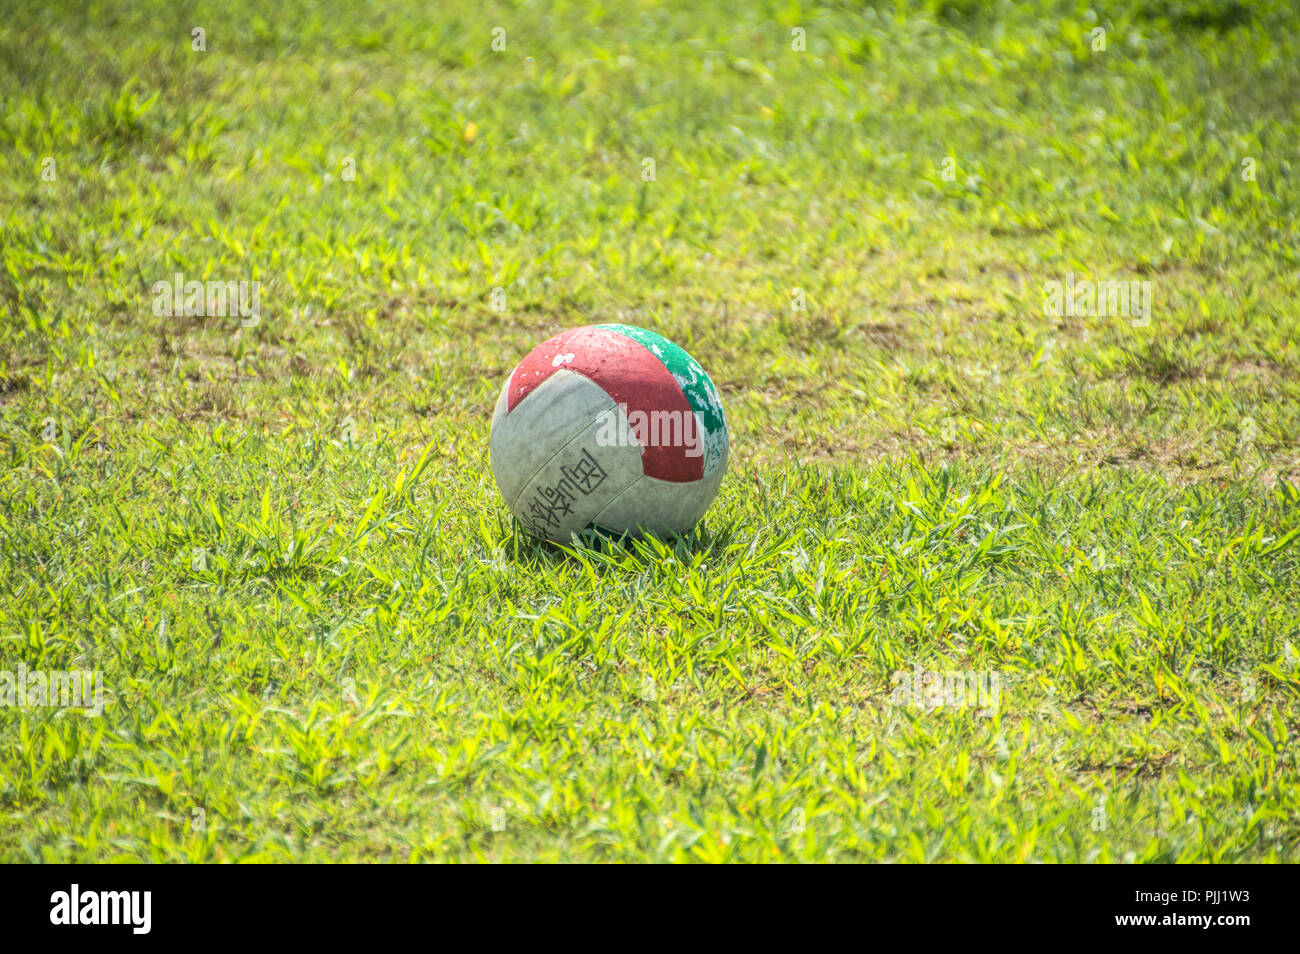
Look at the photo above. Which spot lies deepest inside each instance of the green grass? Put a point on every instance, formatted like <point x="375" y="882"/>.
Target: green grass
<point x="322" y="636"/>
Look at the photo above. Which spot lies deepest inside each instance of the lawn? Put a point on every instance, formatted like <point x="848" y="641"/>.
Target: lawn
<point x="321" y="634"/>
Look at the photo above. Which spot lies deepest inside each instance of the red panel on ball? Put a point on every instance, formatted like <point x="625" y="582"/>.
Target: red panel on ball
<point x="629" y="373"/>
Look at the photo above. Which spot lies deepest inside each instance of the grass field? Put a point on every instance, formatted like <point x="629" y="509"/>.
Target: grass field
<point x="322" y="636"/>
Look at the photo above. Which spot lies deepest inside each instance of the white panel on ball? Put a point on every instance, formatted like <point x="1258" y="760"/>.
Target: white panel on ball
<point x="661" y="506"/>
<point x="575" y="484"/>
<point x="549" y="417"/>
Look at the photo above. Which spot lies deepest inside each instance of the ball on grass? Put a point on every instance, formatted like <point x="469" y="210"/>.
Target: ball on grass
<point x="608" y="428"/>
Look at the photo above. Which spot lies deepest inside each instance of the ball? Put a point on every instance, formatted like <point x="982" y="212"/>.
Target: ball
<point x="608" y="428"/>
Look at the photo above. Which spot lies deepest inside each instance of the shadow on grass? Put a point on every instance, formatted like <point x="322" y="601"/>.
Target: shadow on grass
<point x="613" y="548"/>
